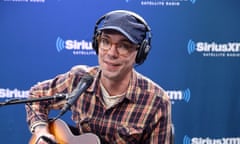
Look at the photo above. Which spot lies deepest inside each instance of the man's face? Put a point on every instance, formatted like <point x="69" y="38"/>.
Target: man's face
<point x="116" y="55"/>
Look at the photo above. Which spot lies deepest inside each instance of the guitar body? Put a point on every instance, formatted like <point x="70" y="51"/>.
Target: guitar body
<point x="63" y="135"/>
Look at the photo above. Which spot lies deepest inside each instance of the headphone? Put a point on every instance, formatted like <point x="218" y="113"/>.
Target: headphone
<point x="145" y="45"/>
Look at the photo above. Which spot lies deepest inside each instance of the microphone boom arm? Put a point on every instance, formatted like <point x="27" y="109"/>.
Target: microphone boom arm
<point x="29" y="100"/>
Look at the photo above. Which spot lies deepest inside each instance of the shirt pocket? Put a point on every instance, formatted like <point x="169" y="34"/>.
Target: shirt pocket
<point x="130" y="133"/>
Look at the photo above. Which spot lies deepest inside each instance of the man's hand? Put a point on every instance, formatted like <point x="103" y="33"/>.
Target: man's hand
<point x="43" y="135"/>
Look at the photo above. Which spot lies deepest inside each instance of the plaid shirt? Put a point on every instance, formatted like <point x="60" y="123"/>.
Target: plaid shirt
<point x="144" y="115"/>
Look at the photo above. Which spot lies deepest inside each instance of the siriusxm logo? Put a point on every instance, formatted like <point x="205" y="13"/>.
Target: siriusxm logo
<point x="195" y="140"/>
<point x="179" y="95"/>
<point x="191" y="46"/>
<point x="77" y="47"/>
<point x="7" y="93"/>
<point x="231" y="49"/>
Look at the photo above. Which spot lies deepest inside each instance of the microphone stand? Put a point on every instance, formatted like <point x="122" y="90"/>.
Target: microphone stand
<point x="29" y="100"/>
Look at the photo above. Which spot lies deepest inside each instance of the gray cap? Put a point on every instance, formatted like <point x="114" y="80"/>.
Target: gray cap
<point x="128" y="23"/>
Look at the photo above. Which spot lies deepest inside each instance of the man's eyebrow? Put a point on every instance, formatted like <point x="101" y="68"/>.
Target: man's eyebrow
<point x="123" y="39"/>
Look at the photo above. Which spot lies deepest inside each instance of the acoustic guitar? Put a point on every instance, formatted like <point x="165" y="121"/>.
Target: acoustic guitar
<point x="64" y="135"/>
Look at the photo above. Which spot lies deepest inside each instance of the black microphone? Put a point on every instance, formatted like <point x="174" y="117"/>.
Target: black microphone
<point x="84" y="83"/>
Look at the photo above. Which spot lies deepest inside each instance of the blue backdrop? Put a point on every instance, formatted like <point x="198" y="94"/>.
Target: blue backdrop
<point x="195" y="57"/>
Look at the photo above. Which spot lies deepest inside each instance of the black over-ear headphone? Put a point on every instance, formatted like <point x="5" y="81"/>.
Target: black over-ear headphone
<point x="145" y="45"/>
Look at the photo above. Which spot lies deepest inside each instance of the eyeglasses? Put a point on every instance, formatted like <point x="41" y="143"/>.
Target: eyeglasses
<point x="123" y="47"/>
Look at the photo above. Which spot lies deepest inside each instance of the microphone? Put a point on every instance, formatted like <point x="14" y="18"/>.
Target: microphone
<point x="84" y="83"/>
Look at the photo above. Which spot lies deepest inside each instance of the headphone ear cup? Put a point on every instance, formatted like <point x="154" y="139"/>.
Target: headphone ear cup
<point x="95" y="41"/>
<point x="143" y="52"/>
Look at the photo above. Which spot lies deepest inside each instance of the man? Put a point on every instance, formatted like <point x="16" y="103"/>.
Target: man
<point x="121" y="105"/>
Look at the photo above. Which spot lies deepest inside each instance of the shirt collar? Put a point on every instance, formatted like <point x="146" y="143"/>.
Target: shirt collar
<point x="132" y="89"/>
